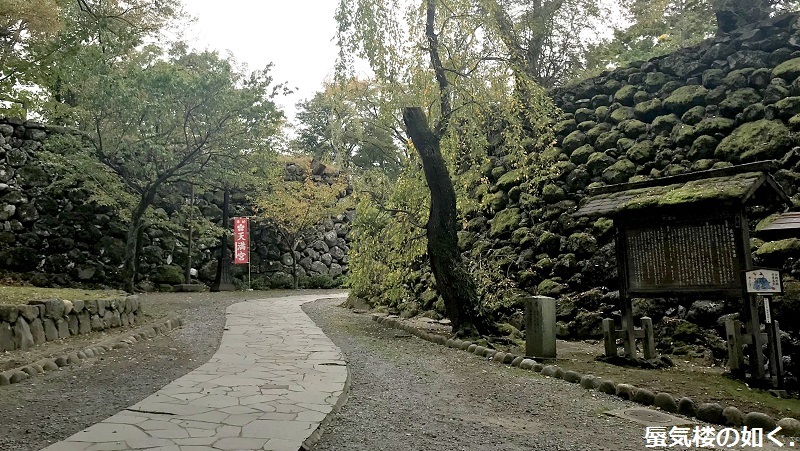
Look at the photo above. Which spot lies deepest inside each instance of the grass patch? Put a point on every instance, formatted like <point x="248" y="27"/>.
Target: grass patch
<point x="21" y="295"/>
<point x="689" y="377"/>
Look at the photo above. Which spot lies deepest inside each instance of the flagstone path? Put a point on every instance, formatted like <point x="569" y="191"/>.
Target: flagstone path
<point x="273" y="381"/>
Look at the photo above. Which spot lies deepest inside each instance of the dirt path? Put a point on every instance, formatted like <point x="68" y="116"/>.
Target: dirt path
<point x="53" y="406"/>
<point x="408" y="394"/>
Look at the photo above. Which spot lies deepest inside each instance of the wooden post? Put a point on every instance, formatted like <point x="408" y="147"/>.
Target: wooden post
<point x="757" y="351"/>
<point x="648" y="341"/>
<point x="733" y="334"/>
<point x="628" y="329"/>
<point x="609" y="337"/>
<point x="779" y="353"/>
<point x="628" y="337"/>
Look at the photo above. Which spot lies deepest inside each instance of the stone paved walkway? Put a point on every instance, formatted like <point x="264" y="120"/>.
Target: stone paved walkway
<point x="274" y="379"/>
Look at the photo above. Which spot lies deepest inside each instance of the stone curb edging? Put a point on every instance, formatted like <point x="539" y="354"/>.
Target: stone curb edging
<point x="708" y="412"/>
<point x="308" y="444"/>
<point x="41" y="366"/>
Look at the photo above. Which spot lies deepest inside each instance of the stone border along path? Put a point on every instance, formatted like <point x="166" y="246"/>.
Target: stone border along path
<point x="271" y="385"/>
<point x="161" y="326"/>
<point x="708" y="412"/>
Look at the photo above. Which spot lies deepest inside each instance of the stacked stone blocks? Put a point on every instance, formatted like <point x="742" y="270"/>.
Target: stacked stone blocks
<point x="25" y="326"/>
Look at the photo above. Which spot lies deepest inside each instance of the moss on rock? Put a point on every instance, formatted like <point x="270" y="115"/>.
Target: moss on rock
<point x="551" y="288"/>
<point x="684" y="98"/>
<point x="573" y="141"/>
<point x="625" y="95"/>
<point x="509" y="179"/>
<point x="694" y="115"/>
<point x="581" y="244"/>
<point x="581" y="154"/>
<point x="713" y="125"/>
<point x="758" y="140"/>
<point x="703" y="147"/>
<point x="736" y="101"/>
<point x="633" y="128"/>
<point x="779" y="249"/>
<point x="607" y="140"/>
<point x="665" y="124"/>
<point x="506" y="221"/>
<point x="788" y="70"/>
<point x="788" y="107"/>
<point x="620" y="171"/>
<point x="648" y="110"/>
<point x="683" y="134"/>
<point x="713" y="78"/>
<point x="622" y="113"/>
<point x="552" y="193"/>
<point x="598" y="162"/>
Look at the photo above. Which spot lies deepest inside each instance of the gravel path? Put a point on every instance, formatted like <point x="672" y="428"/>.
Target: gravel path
<point x="53" y="406"/>
<point x="409" y="394"/>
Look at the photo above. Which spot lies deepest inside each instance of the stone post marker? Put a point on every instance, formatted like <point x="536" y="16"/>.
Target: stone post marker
<point x="540" y="327"/>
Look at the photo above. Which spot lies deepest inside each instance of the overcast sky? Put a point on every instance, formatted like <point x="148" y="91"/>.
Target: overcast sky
<point x="297" y="36"/>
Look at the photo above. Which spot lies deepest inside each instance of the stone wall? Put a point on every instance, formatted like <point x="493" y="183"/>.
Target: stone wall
<point x="59" y="237"/>
<point x="730" y="100"/>
<point x="25" y="326"/>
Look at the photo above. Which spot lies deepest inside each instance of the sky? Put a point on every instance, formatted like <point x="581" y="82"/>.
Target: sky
<point x="296" y="35"/>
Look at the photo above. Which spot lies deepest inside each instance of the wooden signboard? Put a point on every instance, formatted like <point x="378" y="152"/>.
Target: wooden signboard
<point x="683" y="255"/>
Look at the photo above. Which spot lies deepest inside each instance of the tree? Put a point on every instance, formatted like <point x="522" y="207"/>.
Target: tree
<point x="295" y="206"/>
<point x="23" y="23"/>
<point x="466" y="99"/>
<point x="343" y="124"/>
<point x="155" y="119"/>
<point x="546" y="39"/>
<point x="37" y="37"/>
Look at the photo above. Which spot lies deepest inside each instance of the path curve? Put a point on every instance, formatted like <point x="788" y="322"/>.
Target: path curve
<point x="274" y="379"/>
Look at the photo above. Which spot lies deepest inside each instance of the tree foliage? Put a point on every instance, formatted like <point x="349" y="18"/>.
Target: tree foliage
<point x="546" y="39"/>
<point x="345" y="124"/>
<point x="37" y="37"/>
<point x="295" y="206"/>
<point x="472" y="100"/>
<point x="23" y="25"/>
<point x="153" y="119"/>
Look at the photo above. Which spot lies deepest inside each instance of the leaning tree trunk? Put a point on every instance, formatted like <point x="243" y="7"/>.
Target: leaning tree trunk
<point x="453" y="282"/>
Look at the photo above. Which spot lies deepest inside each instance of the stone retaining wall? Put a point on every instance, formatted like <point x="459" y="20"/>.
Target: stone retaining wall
<point x="732" y="99"/>
<point x="56" y="235"/>
<point x="25" y="326"/>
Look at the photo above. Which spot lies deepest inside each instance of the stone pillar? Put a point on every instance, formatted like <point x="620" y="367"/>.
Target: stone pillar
<point x="540" y="327"/>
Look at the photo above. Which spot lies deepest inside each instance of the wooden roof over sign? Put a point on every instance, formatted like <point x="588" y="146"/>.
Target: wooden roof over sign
<point x="785" y="225"/>
<point x="736" y="185"/>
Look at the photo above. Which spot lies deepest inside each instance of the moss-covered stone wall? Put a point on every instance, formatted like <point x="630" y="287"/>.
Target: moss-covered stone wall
<point x="52" y="235"/>
<point x="732" y="99"/>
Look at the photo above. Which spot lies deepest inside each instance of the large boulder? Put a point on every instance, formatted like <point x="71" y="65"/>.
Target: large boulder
<point x="759" y="140"/>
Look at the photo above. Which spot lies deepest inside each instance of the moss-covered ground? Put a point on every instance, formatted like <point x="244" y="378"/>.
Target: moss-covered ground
<point x="695" y="378"/>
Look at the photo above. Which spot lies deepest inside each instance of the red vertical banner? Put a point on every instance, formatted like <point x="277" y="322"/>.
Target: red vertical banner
<point x="241" y="241"/>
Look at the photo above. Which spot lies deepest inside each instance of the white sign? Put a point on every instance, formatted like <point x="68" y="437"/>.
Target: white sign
<point x="763" y="281"/>
<point x="767" y="312"/>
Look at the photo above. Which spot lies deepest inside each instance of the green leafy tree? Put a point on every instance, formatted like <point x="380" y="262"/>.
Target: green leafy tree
<point x="295" y="206"/>
<point x="343" y="124"/>
<point x="450" y="69"/>
<point x="39" y="37"/>
<point x="546" y="39"/>
<point x="23" y="24"/>
<point x="154" y="119"/>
